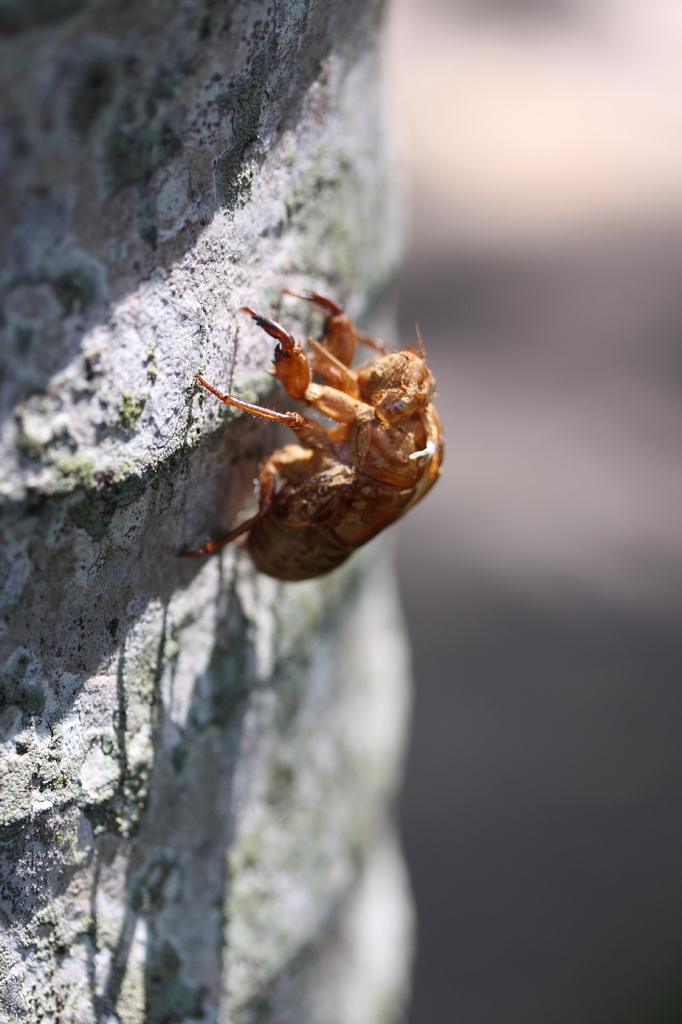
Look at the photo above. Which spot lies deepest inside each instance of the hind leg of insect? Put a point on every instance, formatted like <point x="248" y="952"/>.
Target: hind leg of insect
<point x="267" y="479"/>
<point x="290" y="462"/>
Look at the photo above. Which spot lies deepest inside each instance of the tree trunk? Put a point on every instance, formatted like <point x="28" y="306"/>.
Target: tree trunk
<point x="199" y="762"/>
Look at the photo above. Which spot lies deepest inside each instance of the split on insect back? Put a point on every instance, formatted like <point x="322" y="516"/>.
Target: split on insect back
<point x="335" y="489"/>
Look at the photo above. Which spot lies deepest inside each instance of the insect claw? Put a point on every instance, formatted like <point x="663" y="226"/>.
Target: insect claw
<point x="263" y="321"/>
<point x="271" y="327"/>
<point x="319" y="300"/>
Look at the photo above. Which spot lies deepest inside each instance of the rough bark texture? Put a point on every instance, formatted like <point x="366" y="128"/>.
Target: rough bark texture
<point x="198" y="761"/>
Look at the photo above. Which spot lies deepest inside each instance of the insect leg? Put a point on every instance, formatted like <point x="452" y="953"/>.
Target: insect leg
<point x="340" y="333"/>
<point x="338" y="405"/>
<point x="267" y="478"/>
<point x="289" y="419"/>
<point x="334" y="372"/>
<point x="319" y="300"/>
<point x="292" y="368"/>
<point x="376" y="343"/>
<point x="309" y="432"/>
<point x="212" y="546"/>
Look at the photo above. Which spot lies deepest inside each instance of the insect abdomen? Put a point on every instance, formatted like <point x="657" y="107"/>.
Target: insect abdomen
<point x="290" y="552"/>
<point x="316" y="523"/>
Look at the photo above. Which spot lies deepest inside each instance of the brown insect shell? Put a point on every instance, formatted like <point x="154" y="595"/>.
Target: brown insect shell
<point x="338" y="497"/>
<point x="339" y="337"/>
<point x="396" y="385"/>
<point x="399" y="386"/>
<point x="292" y="369"/>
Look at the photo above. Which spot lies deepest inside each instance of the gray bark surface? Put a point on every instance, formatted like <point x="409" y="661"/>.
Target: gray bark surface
<point x="198" y="761"/>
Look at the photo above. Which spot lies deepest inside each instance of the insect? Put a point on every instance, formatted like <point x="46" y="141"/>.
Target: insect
<point x="338" y="487"/>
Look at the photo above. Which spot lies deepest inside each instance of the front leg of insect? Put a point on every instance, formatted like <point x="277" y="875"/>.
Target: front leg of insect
<point x="340" y="333"/>
<point x="337" y="488"/>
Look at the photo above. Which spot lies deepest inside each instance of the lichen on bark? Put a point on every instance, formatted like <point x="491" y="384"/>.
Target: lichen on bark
<point x="198" y="762"/>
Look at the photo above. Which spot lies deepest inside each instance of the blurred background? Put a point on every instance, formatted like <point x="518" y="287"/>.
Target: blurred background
<point x="543" y="576"/>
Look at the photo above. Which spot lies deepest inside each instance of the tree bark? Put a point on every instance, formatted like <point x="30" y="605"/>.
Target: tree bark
<point x="198" y="761"/>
